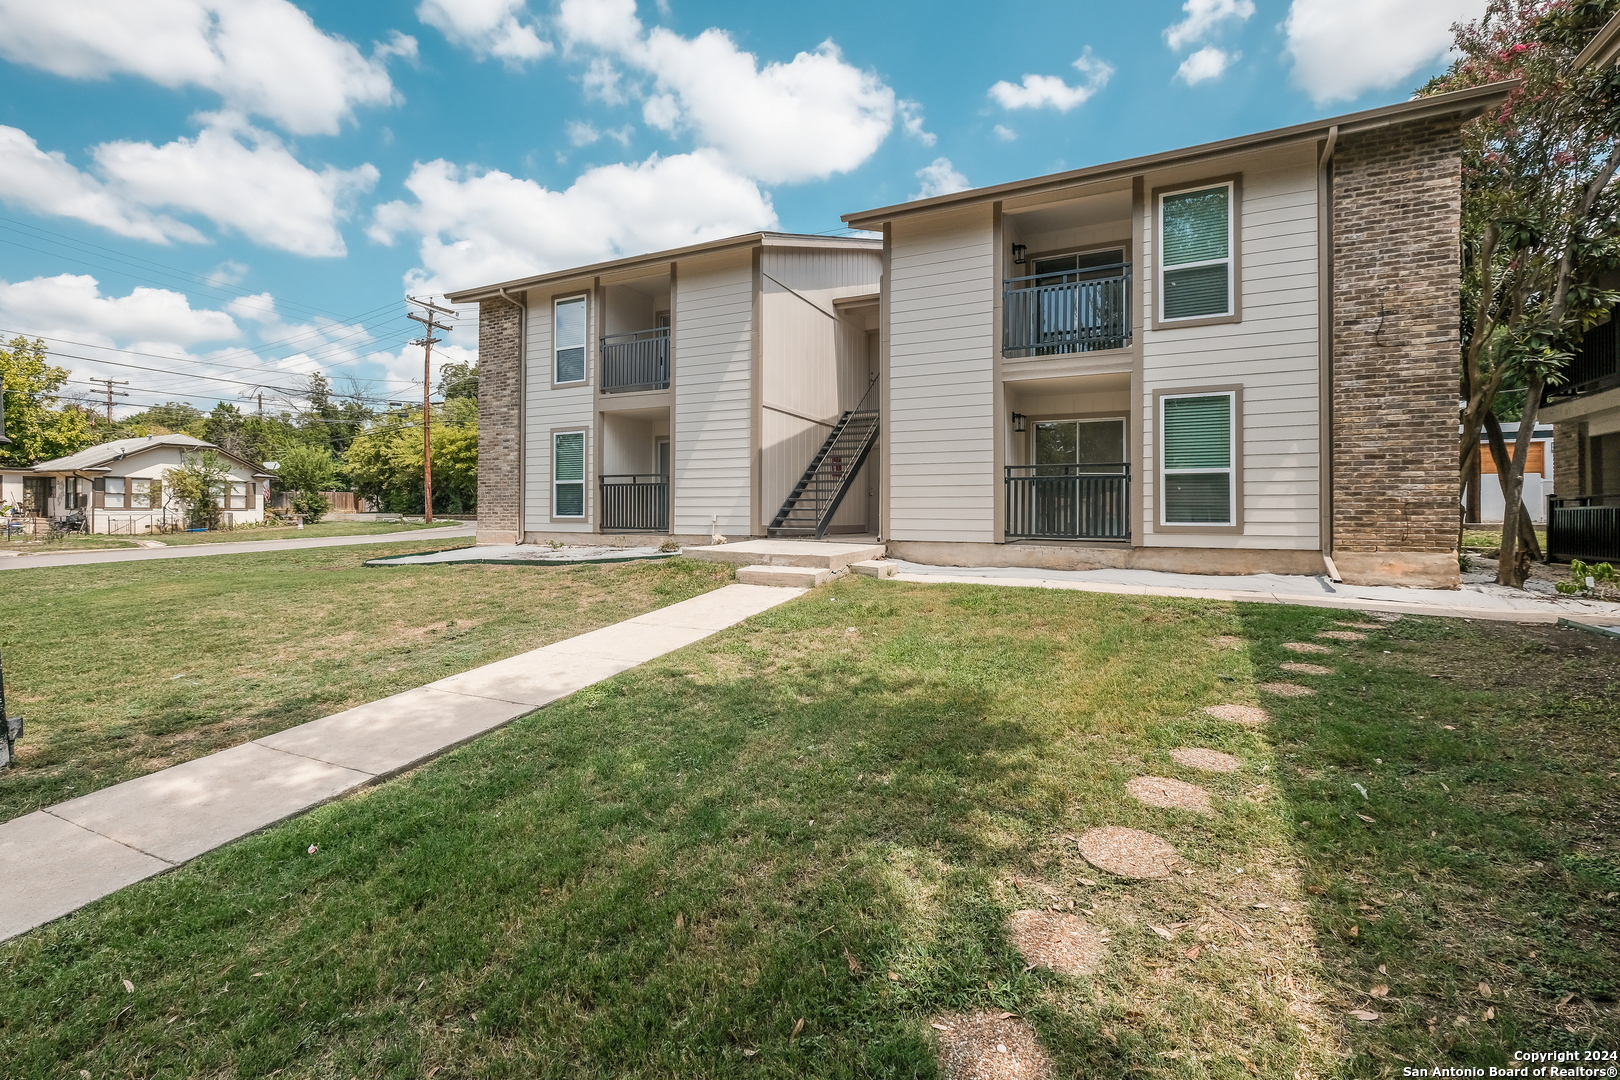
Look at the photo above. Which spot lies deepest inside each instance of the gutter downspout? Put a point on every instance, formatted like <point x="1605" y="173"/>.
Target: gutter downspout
<point x="1324" y="270"/>
<point x="523" y="395"/>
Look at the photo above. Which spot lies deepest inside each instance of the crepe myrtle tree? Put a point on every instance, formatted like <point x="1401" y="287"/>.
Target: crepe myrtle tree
<point x="198" y="484"/>
<point x="1540" y="224"/>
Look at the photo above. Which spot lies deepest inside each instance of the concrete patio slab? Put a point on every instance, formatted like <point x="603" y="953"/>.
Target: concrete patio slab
<point x="179" y="813"/>
<point x="828" y="554"/>
<point x="53" y="867"/>
<point x="804" y="577"/>
<point x="389" y="736"/>
<point x="533" y="678"/>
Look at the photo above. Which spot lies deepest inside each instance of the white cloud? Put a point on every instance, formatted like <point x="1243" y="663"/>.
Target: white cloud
<point x="939" y="177"/>
<point x="809" y="118"/>
<point x="265" y="57"/>
<point x="262" y="191"/>
<point x="259" y="308"/>
<point x="601" y="81"/>
<point x="47" y="183"/>
<point x="1004" y="133"/>
<point x="229" y="272"/>
<point x="481" y="227"/>
<point x="1204" y="17"/>
<point x="1341" y="51"/>
<point x="911" y="120"/>
<point x="581" y="133"/>
<point x="1050" y="91"/>
<point x="71" y="306"/>
<point x="1207" y="63"/>
<point x="490" y="28"/>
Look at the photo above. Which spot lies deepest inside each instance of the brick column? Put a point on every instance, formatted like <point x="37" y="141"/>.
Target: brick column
<point x="500" y="441"/>
<point x="1568" y="476"/>
<point x="1397" y="205"/>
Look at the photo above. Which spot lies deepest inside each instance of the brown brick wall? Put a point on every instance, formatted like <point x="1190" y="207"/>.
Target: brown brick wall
<point x="1568" y="476"/>
<point x="500" y="445"/>
<point x="1397" y="203"/>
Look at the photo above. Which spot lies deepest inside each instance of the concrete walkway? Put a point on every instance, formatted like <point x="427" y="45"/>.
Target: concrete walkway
<point x="237" y="547"/>
<point x="1471" y="601"/>
<point x="56" y="860"/>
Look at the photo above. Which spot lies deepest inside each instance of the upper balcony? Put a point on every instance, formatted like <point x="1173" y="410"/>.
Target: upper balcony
<point x="1067" y="311"/>
<point x="638" y="360"/>
<point x="634" y="346"/>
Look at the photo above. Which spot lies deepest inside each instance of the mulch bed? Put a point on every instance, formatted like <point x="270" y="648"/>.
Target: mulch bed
<point x="990" y="1046"/>
<point x="1128" y="853"/>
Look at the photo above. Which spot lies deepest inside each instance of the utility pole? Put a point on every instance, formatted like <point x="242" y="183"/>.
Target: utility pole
<point x="111" y="394"/>
<point x="261" y="404"/>
<point x="427" y="342"/>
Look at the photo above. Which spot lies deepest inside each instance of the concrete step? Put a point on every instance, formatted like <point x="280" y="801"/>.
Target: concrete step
<point x="802" y="577"/>
<point x="827" y="554"/>
<point x="874" y="568"/>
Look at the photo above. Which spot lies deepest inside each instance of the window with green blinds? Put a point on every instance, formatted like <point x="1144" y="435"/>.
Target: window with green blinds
<point x="1195" y="238"/>
<point x="1196" y="456"/>
<point x="569" y="340"/>
<point x="568" y="474"/>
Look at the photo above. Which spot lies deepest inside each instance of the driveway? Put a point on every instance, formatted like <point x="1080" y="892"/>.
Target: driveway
<point x="197" y="551"/>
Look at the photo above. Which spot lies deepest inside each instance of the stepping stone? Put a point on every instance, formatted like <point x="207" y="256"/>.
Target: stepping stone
<point x="1362" y="625"/>
<point x="1226" y="641"/>
<point x="1342" y="635"/>
<point x="990" y="1046"/>
<point x="1307" y="669"/>
<point x="1286" y="689"/>
<point x="1384" y="616"/>
<point x="1057" y="940"/>
<point x="1127" y="853"/>
<point x="1169" y="794"/>
<point x="1247" y="715"/>
<point x="1305" y="647"/>
<point x="1198" y="757"/>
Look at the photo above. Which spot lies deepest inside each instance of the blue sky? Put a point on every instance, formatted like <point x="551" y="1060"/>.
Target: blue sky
<point x="238" y="192"/>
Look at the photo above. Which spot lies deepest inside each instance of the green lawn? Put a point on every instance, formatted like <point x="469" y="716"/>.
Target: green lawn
<point x="826" y="815"/>
<point x="126" y="668"/>
<point x="293" y="532"/>
<point x="1478" y="539"/>
<point x="43" y="544"/>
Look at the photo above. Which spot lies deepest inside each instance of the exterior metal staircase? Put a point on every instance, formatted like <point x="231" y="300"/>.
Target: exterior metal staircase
<point x="810" y="507"/>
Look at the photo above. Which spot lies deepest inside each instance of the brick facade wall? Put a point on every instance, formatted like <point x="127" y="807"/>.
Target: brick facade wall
<point x="1397" y="204"/>
<point x="500" y="445"/>
<point x="1568" y="475"/>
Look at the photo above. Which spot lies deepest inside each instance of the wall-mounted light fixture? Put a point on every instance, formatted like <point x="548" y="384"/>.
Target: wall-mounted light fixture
<point x="1018" y="421"/>
<point x="1018" y="253"/>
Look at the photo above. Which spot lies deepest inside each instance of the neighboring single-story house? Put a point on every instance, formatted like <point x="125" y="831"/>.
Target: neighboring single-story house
<point x="119" y="486"/>
<point x="1482" y="497"/>
<point x="1239" y="357"/>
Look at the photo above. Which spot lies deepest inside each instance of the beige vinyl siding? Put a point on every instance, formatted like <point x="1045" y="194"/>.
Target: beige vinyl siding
<point x="712" y="442"/>
<point x="1272" y="353"/>
<point x="815" y="365"/>
<point x="941" y="454"/>
<point x="546" y="410"/>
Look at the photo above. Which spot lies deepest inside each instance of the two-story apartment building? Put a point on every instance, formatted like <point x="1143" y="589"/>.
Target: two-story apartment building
<point x="1238" y="357"/>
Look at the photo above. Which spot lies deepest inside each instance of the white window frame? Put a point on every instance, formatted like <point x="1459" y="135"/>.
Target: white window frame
<point x="130" y="492"/>
<point x="584" y="475"/>
<point x="583" y="300"/>
<point x="232" y="497"/>
<point x="1231" y="469"/>
<point x="1230" y="260"/>
<point x="108" y="494"/>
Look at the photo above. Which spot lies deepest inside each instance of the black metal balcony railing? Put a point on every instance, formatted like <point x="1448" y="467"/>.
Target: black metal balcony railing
<point x="635" y="503"/>
<point x="1048" y="314"/>
<point x="1069" y="502"/>
<point x="638" y="361"/>
<point x="1584" y="527"/>
<point x="1595" y="365"/>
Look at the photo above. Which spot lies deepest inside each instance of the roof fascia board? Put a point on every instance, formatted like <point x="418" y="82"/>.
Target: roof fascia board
<point x="1603" y="47"/>
<point x="652" y="259"/>
<point x="1472" y="100"/>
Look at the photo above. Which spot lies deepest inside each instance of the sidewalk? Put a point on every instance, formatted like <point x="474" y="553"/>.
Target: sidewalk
<point x="61" y="858"/>
<point x="1469" y="602"/>
<point x="34" y="560"/>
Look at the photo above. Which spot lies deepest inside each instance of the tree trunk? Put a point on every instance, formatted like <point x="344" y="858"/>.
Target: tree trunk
<point x="1504" y="464"/>
<point x="1513" y="564"/>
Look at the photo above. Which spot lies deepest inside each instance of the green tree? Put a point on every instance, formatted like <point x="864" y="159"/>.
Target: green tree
<point x="304" y="472"/>
<point x="385" y="463"/>
<point x="330" y="421"/>
<point x="38" y="432"/>
<point x="458" y="380"/>
<point x="199" y="483"/>
<point x="1541" y="225"/>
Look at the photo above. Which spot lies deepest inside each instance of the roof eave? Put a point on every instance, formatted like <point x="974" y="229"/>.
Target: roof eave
<point x="1470" y="101"/>
<point x="709" y="247"/>
<point x="1603" y="48"/>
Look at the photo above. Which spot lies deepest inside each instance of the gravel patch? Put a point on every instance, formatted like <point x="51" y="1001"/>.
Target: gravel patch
<point x="990" y="1046"/>
<point x="1247" y="715"/>
<point x="1197" y="757"/>
<point x="1343" y="635"/>
<point x="1127" y="853"/>
<point x="1287" y="689"/>
<point x="1305" y="647"/>
<point x="1170" y="794"/>
<point x="1057" y="940"/>
<point x="1307" y="669"/>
